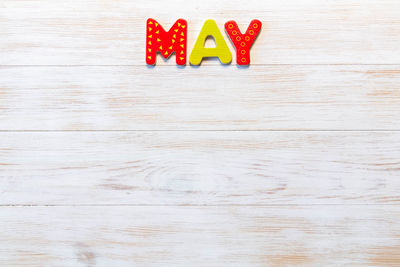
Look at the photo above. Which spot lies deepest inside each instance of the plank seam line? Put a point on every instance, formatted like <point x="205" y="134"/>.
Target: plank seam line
<point x="195" y="205"/>
<point x="195" y="67"/>
<point x="210" y="130"/>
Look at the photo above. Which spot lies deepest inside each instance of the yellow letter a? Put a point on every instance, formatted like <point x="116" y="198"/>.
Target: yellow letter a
<point x="221" y="49"/>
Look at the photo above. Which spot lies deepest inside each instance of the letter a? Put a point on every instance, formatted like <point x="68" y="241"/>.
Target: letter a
<point x="243" y="42"/>
<point x="221" y="50"/>
<point x="157" y="39"/>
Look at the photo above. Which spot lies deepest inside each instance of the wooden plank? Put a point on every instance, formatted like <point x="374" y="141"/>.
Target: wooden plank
<point x="212" y="98"/>
<point x="200" y="236"/>
<point x="105" y="32"/>
<point x="201" y="168"/>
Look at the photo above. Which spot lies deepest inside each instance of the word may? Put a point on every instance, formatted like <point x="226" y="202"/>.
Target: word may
<point x="175" y="40"/>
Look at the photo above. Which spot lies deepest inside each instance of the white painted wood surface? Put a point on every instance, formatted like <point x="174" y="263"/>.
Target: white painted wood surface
<point x="199" y="168"/>
<point x="207" y="98"/>
<point x="104" y="32"/>
<point x="294" y="161"/>
<point x="212" y="236"/>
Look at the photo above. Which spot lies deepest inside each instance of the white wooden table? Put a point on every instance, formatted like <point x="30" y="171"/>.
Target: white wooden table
<point x="294" y="161"/>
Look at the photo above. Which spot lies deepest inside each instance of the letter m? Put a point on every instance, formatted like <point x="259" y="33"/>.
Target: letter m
<point x="158" y="40"/>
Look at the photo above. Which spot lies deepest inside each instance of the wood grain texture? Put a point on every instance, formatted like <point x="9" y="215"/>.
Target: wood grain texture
<point x="103" y="32"/>
<point x="291" y="162"/>
<point x="199" y="168"/>
<point x="209" y="98"/>
<point x="200" y="236"/>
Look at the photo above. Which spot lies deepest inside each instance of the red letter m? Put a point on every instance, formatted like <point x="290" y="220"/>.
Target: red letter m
<point x="157" y="39"/>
